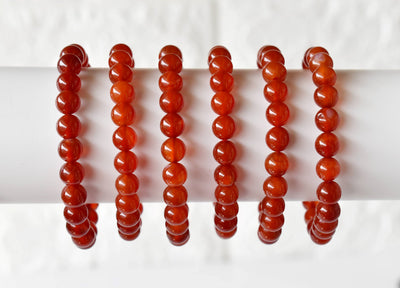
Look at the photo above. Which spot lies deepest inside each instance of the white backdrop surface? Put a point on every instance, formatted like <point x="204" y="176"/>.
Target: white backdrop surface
<point x="34" y="247"/>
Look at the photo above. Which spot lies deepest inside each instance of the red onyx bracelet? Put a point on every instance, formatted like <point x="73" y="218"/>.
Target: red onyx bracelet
<point x="81" y="217"/>
<point x="173" y="149"/>
<point x="226" y="193"/>
<point x="322" y="215"/>
<point x="129" y="207"/>
<point x="271" y="208"/>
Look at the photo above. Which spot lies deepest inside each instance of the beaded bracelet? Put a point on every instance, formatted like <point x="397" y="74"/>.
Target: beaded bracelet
<point x="322" y="216"/>
<point x="81" y="217"/>
<point x="173" y="149"/>
<point x="226" y="192"/>
<point x="271" y="208"/>
<point x="122" y="93"/>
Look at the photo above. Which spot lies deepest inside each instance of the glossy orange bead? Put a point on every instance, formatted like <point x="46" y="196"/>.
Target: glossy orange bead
<point x="224" y="152"/>
<point x="176" y="215"/>
<point x="226" y="235"/>
<point x="120" y="72"/>
<point x="328" y="169"/>
<point x="74" y="195"/>
<point x="121" y="47"/>
<point x="275" y="91"/>
<point x="327" y="119"/>
<point x="326" y="96"/>
<point x="68" y="102"/>
<point x="129" y="237"/>
<point x="276" y="164"/>
<point x="70" y="149"/>
<point x="122" y="114"/>
<point x="127" y="203"/>
<point x="174" y="174"/>
<point x="275" y="187"/>
<point x="177" y="229"/>
<point x="225" y="225"/>
<point x="131" y="229"/>
<point x="172" y="125"/>
<point x="170" y="62"/>
<point x="179" y="240"/>
<point x="69" y="63"/>
<point x="78" y="230"/>
<point x="171" y="101"/>
<point x="325" y="227"/>
<point x="272" y="223"/>
<point x="71" y="173"/>
<point x="274" y="71"/>
<point x="92" y="214"/>
<point x="122" y="92"/>
<point x="320" y="235"/>
<point x="320" y="59"/>
<point x="271" y="56"/>
<point x="221" y="81"/>
<point x="121" y="57"/>
<point x="170" y="49"/>
<point x="277" y="138"/>
<point x="327" y="212"/>
<point x="226" y="194"/>
<point x="311" y="52"/>
<point x="68" y="81"/>
<point x="74" y="50"/>
<point x="68" y="126"/>
<point x="223" y="127"/>
<point x="268" y="237"/>
<point x="218" y="51"/>
<point x="170" y="81"/>
<point x="225" y="175"/>
<point x="226" y="212"/>
<point x="175" y="196"/>
<point x="260" y="54"/>
<point x="127" y="184"/>
<point x="220" y="63"/>
<point x="324" y="75"/>
<point x="277" y="113"/>
<point x="124" y="138"/>
<point x="125" y="162"/>
<point x="86" y="241"/>
<point x="128" y="220"/>
<point x="76" y="215"/>
<point x="222" y="103"/>
<point x="309" y="215"/>
<point x="272" y="207"/>
<point x="329" y="192"/>
<point x="327" y="144"/>
<point x="173" y="149"/>
<point x="317" y="240"/>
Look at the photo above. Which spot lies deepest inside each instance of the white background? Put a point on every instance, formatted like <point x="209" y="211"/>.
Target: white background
<point x="34" y="247"/>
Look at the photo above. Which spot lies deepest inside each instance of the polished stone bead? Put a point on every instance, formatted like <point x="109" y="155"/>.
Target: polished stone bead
<point x="268" y="237"/>
<point x="327" y="144"/>
<point x="320" y="235"/>
<point x="70" y="149"/>
<point x="74" y="195"/>
<point x="68" y="102"/>
<point x="226" y="194"/>
<point x="311" y="52"/>
<point x="277" y="138"/>
<point x="226" y="235"/>
<point x="272" y="224"/>
<point x="274" y="71"/>
<point x="127" y="203"/>
<point x="177" y="229"/>
<point x="86" y="241"/>
<point x="271" y="56"/>
<point x="170" y="81"/>
<point x="275" y="91"/>
<point x="125" y="162"/>
<point x="222" y="103"/>
<point x="170" y="49"/>
<point x="221" y="81"/>
<point x="93" y="217"/>
<point x="171" y="101"/>
<point x="176" y="215"/>
<point x="128" y="220"/>
<point x="68" y="126"/>
<point x="261" y="52"/>
<point x="172" y="125"/>
<point x="179" y="240"/>
<point x="276" y="164"/>
<point x="223" y="127"/>
<point x="121" y="47"/>
<point x="226" y="212"/>
<point x="174" y="174"/>
<point x="224" y="152"/>
<point x="225" y="225"/>
<point x="225" y="175"/>
<point x="130" y="230"/>
<point x="75" y="50"/>
<point x="170" y="62"/>
<point x="129" y="237"/>
<point x="324" y="75"/>
<point x="329" y="192"/>
<point x="320" y="59"/>
<point x="122" y="114"/>
<point x="122" y="92"/>
<point x="220" y="63"/>
<point x="275" y="187"/>
<point x="71" y="173"/>
<point x="326" y="96"/>
<point x="76" y="215"/>
<point x="175" y="196"/>
<point x="317" y="240"/>
<point x="127" y="184"/>
<point x="327" y="212"/>
<point x="120" y="72"/>
<point x="277" y="113"/>
<point x="68" y="81"/>
<point x="121" y="57"/>
<point x="328" y="169"/>
<point x="69" y="63"/>
<point x="78" y="230"/>
<point x="173" y="149"/>
<point x="124" y="138"/>
<point x="325" y="227"/>
<point x="272" y="207"/>
<point x="85" y="62"/>
<point x="218" y="51"/>
<point x="327" y="119"/>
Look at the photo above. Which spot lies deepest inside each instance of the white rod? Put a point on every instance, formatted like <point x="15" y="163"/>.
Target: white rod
<point x="29" y="162"/>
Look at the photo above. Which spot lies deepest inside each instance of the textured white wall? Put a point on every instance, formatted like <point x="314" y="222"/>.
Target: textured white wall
<point x="34" y="247"/>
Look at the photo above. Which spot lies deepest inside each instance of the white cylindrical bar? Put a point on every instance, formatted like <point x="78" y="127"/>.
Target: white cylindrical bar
<point x="30" y="163"/>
